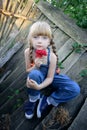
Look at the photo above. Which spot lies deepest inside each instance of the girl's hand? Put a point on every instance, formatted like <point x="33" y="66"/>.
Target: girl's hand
<point x="38" y="62"/>
<point x="32" y="84"/>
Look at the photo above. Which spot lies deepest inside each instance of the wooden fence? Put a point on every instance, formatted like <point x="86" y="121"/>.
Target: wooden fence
<point x="15" y="16"/>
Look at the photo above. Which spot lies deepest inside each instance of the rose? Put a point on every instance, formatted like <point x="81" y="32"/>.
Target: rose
<point x="40" y="53"/>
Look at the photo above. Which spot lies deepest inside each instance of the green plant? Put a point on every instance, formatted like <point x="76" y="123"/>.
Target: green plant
<point x="78" y="47"/>
<point x="10" y="97"/>
<point x="18" y="103"/>
<point x="78" y="12"/>
<point x="83" y="73"/>
<point x="77" y="9"/>
<point x="60" y="65"/>
<point x="17" y="91"/>
<point x="13" y="92"/>
<point x="36" y="1"/>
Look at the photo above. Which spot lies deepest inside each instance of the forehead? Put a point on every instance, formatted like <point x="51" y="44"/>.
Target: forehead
<point x="40" y="30"/>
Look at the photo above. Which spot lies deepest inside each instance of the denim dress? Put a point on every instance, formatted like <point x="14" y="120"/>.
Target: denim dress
<point x="64" y="89"/>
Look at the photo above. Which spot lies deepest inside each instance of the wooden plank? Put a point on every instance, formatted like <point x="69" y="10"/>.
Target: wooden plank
<point x="10" y="53"/>
<point x="15" y="65"/>
<point x="80" y="122"/>
<point x="65" y="50"/>
<point x="5" y="3"/>
<point x="63" y="22"/>
<point x="7" y="44"/>
<point x="8" y="107"/>
<point x="13" y="11"/>
<point x="59" y="38"/>
<point x="52" y="120"/>
<point x="70" y="61"/>
<point x="11" y="20"/>
<point x="5" y="84"/>
<point x="24" y="12"/>
<point x="16" y="85"/>
<point x="15" y="118"/>
<point x="5" y="75"/>
<point x="5" y="20"/>
<point x="81" y="64"/>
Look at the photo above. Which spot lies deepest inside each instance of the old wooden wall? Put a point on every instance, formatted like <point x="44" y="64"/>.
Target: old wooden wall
<point x="13" y="75"/>
<point x="15" y="18"/>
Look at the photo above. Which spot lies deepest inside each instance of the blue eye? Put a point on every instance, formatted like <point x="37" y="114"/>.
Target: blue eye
<point x="45" y="37"/>
<point x="35" y="36"/>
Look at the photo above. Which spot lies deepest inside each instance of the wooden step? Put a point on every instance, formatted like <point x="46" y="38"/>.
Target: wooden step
<point x="66" y="50"/>
<point x="16" y="117"/>
<point x="4" y="59"/>
<point x="73" y="110"/>
<point x="70" y="61"/>
<point x="60" y="38"/>
<point x="29" y="124"/>
<point x="20" y="122"/>
<point x="11" y="78"/>
<point x="78" y="67"/>
<point x="13" y="102"/>
<point x="15" y="65"/>
<point x="17" y="84"/>
<point x="80" y="122"/>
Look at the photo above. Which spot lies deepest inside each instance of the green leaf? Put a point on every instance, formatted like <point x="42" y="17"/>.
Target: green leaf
<point x="83" y="73"/>
<point x="60" y="65"/>
<point x="10" y="97"/>
<point x="17" y="91"/>
<point x="36" y="1"/>
<point x="77" y="47"/>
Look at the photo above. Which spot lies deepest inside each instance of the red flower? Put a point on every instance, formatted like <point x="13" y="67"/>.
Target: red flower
<point x="40" y="53"/>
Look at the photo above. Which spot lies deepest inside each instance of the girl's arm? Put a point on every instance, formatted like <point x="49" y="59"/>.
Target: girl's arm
<point x="33" y="84"/>
<point x="51" y="72"/>
<point x="27" y="61"/>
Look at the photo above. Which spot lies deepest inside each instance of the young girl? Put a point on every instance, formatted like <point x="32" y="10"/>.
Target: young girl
<point x="41" y="64"/>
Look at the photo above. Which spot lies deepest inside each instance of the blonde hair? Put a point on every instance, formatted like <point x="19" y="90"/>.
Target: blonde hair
<point x="41" y="28"/>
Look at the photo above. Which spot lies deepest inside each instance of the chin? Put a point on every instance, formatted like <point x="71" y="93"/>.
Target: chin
<point x="39" y="48"/>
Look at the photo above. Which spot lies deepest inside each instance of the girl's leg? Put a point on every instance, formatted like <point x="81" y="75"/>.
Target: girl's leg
<point x="34" y="95"/>
<point x="65" y="90"/>
<point x="37" y="76"/>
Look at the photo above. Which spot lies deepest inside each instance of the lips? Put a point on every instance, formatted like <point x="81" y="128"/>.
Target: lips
<point x="39" y="47"/>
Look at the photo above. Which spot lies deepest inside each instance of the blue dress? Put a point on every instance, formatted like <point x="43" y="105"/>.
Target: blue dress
<point x="64" y="89"/>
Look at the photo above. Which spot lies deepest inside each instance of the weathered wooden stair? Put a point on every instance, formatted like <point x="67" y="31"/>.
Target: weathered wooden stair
<point x="13" y="87"/>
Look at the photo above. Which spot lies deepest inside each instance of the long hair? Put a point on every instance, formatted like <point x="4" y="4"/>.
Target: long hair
<point x="41" y="28"/>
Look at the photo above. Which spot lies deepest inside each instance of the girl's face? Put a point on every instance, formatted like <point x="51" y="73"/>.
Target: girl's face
<point x="40" y="42"/>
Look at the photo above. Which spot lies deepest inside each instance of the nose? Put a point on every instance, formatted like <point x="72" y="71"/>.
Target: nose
<point x="39" y="40"/>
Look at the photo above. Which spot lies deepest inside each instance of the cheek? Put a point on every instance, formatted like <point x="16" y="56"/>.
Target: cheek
<point x="46" y="45"/>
